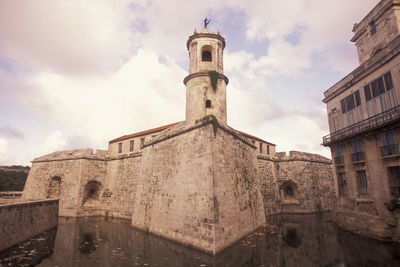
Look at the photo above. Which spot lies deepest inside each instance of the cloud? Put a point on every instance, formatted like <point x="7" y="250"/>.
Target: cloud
<point x="9" y="132"/>
<point x="5" y="157"/>
<point x="55" y="142"/>
<point x="141" y="94"/>
<point x="87" y="37"/>
<point x="80" y="37"/>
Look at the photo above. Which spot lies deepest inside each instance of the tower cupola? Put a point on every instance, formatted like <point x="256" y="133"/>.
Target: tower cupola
<point x="206" y="84"/>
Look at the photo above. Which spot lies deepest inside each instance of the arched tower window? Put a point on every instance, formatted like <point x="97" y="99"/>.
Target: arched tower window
<point x="206" y="56"/>
<point x="206" y="53"/>
<point x="208" y="103"/>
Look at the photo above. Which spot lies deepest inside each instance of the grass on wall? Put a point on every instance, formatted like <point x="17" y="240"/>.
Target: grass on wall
<point x="210" y="119"/>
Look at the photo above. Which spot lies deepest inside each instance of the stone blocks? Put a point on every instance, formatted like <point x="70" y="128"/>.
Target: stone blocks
<point x="199" y="189"/>
<point x="21" y="221"/>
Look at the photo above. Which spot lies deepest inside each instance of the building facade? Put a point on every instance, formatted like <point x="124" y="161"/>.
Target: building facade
<point x="364" y="118"/>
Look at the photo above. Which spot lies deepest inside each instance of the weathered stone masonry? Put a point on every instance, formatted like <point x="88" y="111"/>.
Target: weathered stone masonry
<point x="298" y="183"/>
<point x="21" y="221"/>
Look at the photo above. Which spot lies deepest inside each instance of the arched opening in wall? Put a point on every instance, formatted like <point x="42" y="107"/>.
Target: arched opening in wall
<point x="91" y="192"/>
<point x="206" y="53"/>
<point x="208" y="103"/>
<point x="289" y="190"/>
<point x="54" y="187"/>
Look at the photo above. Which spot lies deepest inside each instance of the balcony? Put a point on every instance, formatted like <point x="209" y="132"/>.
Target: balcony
<point x="358" y="156"/>
<point x="389" y="150"/>
<point x="339" y="160"/>
<point x="374" y="122"/>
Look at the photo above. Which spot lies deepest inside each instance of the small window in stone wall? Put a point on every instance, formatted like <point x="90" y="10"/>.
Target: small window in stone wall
<point x="261" y="148"/>
<point x="119" y="147"/>
<point x="208" y="103"/>
<point x="289" y="190"/>
<point x="141" y="142"/>
<point x="267" y="149"/>
<point x="131" y="145"/>
<point x="372" y="27"/>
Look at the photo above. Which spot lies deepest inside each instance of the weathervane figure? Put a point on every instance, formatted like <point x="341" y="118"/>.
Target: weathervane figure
<point x="206" y="22"/>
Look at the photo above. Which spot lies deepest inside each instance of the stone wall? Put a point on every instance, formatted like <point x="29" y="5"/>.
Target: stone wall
<point x="21" y="221"/>
<point x="198" y="189"/>
<point x="64" y="175"/>
<point x="298" y="183"/>
<point x="269" y="187"/>
<point x="118" y="196"/>
<point x="201" y="186"/>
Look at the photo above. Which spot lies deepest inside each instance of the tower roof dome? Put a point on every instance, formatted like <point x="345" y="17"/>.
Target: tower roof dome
<point x="205" y="30"/>
<point x="206" y="33"/>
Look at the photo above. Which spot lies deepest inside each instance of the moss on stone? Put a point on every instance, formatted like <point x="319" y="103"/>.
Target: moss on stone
<point x="214" y="79"/>
<point x="210" y="119"/>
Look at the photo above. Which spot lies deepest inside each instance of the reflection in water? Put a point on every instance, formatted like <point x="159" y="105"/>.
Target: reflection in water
<point x="291" y="237"/>
<point x="289" y="240"/>
<point x="31" y="251"/>
<point x="88" y="244"/>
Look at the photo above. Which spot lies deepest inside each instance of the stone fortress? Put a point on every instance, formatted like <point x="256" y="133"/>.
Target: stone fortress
<point x="198" y="182"/>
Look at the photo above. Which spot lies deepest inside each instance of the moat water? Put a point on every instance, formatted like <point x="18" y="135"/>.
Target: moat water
<point x="287" y="240"/>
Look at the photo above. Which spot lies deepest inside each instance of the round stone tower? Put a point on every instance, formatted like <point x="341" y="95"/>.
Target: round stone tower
<point x="206" y="83"/>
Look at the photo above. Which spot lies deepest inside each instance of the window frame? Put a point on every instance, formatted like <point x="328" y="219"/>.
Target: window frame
<point x="350" y="102"/>
<point x="206" y="56"/>
<point x="362" y="182"/>
<point x="378" y="86"/>
<point x="342" y="183"/>
<point x="142" y="140"/>
<point x="131" y="145"/>
<point x="394" y="181"/>
<point x="372" y="27"/>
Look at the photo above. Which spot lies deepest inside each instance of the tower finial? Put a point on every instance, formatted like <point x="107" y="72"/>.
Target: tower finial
<point x="206" y="22"/>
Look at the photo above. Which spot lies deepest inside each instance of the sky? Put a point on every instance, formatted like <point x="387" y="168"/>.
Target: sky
<point x="77" y="74"/>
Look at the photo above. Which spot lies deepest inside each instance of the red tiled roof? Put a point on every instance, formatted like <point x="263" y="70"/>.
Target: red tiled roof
<point x="158" y="129"/>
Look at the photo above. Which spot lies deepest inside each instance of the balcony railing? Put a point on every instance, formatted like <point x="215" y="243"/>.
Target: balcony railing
<point x="373" y="122"/>
<point x="357" y="156"/>
<point x="388" y="150"/>
<point x="339" y="160"/>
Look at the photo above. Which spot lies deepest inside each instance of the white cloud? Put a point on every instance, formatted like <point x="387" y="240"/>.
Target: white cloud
<point x="55" y="142"/>
<point x="73" y="37"/>
<point x="143" y="93"/>
<point x="5" y="157"/>
<point x="313" y="30"/>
